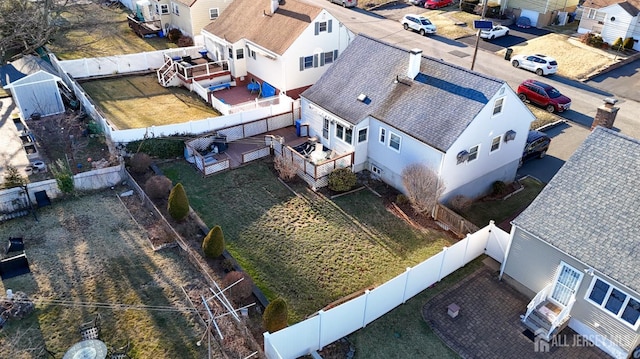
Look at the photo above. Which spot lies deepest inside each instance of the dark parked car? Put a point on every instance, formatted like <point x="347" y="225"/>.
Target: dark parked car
<point x="543" y="95"/>
<point x="536" y="147"/>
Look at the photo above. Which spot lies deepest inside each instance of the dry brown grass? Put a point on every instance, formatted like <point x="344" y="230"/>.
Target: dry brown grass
<point x="445" y="22"/>
<point x="88" y="249"/>
<point x="575" y="60"/>
<point x="140" y="101"/>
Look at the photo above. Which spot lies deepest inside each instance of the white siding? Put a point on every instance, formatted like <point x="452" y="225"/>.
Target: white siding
<point x="42" y="97"/>
<point x="474" y="178"/>
<point x="619" y="26"/>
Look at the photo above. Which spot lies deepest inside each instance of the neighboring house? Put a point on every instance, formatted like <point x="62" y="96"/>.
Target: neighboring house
<point x="190" y="16"/>
<point x="392" y="107"/>
<point x="542" y="12"/>
<point x="576" y="248"/>
<point x="288" y="45"/>
<point x="612" y="19"/>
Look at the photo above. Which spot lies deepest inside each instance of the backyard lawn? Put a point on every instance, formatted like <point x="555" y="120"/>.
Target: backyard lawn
<point x="94" y="30"/>
<point x="87" y="256"/>
<point x="305" y="248"/>
<point x="140" y="101"/>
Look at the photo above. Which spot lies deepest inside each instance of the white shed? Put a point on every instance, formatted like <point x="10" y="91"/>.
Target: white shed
<point x="37" y="93"/>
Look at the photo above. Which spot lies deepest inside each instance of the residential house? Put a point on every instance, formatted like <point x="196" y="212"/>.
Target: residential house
<point x="393" y="107"/>
<point x="575" y="250"/>
<point x="288" y="45"/>
<point x="190" y="16"/>
<point x="543" y="12"/>
<point x="612" y="19"/>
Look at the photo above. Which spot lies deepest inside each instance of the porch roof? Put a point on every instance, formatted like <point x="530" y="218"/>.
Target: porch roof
<point x="590" y="209"/>
<point x="435" y="107"/>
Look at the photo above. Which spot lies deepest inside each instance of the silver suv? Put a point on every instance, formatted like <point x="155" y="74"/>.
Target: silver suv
<point x="418" y="23"/>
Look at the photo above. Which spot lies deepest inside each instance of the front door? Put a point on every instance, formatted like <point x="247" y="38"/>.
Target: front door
<point x="566" y="284"/>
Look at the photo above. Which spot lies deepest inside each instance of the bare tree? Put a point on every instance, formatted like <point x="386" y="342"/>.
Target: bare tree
<point x="423" y="187"/>
<point x="287" y="169"/>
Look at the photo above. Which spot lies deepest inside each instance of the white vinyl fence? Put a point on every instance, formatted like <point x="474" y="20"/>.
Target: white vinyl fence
<point x="328" y="326"/>
<point x="68" y="70"/>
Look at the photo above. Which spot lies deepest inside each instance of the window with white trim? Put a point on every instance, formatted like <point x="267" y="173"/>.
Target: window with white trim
<point x="495" y="143"/>
<point x="473" y="153"/>
<point x="322" y="26"/>
<point x="157" y="8"/>
<point x="497" y="106"/>
<point x="240" y="54"/>
<point x="325" y="128"/>
<point x="230" y="53"/>
<point x="362" y="135"/>
<point x="383" y="135"/>
<point x="328" y="57"/>
<point x="164" y="9"/>
<point x="214" y="13"/>
<point x="614" y="301"/>
<point x="394" y="141"/>
<point x="176" y="9"/>
<point x="344" y="133"/>
<point x="308" y="62"/>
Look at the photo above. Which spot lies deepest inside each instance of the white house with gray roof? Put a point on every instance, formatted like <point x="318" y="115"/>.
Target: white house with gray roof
<point x="576" y="249"/>
<point x="392" y="107"/>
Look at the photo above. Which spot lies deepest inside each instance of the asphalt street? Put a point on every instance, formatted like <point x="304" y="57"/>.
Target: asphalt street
<point x="622" y="84"/>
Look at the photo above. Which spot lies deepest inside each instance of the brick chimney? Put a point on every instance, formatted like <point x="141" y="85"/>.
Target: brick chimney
<point x="606" y="114"/>
<point x="415" y="56"/>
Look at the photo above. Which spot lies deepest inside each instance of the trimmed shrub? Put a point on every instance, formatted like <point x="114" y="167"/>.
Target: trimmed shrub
<point x="617" y="44"/>
<point x="13" y="178"/>
<point x="174" y="35"/>
<point x="213" y="243"/>
<point x="592" y="39"/>
<point x="158" y="147"/>
<point x="628" y="43"/>
<point x="185" y="41"/>
<point x="498" y="187"/>
<point x="342" y="180"/>
<point x="459" y="203"/>
<point x="158" y="187"/>
<point x="242" y="289"/>
<point x="140" y="162"/>
<point x="275" y="315"/>
<point x="178" y="206"/>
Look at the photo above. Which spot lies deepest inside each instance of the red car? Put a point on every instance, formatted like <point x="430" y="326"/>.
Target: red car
<point x="543" y="95"/>
<point x="436" y="4"/>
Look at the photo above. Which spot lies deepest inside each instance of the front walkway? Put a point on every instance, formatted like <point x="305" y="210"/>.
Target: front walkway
<point x="488" y="324"/>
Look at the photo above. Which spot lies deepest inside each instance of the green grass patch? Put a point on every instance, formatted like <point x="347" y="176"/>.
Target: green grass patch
<point x="481" y="212"/>
<point x="140" y="101"/>
<point x="402" y="333"/>
<point x="92" y="30"/>
<point x="307" y="249"/>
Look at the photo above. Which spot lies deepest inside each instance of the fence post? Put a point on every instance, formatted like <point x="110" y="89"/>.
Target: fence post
<point x="364" y="312"/>
<point x="406" y="281"/>
<point x="444" y="256"/>
<point x="320" y="313"/>
<point x="466" y="247"/>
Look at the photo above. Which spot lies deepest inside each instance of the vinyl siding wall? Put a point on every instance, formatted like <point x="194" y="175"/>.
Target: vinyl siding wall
<point x="533" y="264"/>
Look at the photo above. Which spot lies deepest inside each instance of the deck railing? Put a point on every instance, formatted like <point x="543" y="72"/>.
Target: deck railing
<point x="536" y="301"/>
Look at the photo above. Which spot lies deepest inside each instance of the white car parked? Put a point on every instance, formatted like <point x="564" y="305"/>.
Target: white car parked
<point x="540" y="64"/>
<point x="496" y="31"/>
<point x="418" y="23"/>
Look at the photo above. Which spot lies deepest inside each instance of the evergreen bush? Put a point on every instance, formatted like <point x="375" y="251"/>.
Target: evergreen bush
<point x="275" y="315"/>
<point x="213" y="243"/>
<point x="158" y="147"/>
<point x="628" y="43"/>
<point x="13" y="178"/>
<point x="178" y="206"/>
<point x="63" y="176"/>
<point x="342" y="180"/>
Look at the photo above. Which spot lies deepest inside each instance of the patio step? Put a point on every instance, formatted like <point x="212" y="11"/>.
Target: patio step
<point x="540" y="320"/>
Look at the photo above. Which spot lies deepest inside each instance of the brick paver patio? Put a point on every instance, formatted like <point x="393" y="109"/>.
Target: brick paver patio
<point x="488" y="324"/>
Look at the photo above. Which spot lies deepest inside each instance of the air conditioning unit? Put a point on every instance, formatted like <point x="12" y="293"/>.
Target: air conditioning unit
<point x="509" y="136"/>
<point x="462" y="156"/>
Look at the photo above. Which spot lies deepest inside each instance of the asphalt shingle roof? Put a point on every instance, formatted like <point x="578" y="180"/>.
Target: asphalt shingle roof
<point x="252" y="20"/>
<point x="435" y="108"/>
<point x="591" y="207"/>
<point x="630" y="6"/>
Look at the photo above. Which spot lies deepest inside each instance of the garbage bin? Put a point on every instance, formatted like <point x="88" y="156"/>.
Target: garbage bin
<point x="298" y="125"/>
<point x="507" y="54"/>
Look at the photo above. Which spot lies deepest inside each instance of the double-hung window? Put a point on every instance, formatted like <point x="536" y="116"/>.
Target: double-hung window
<point x="497" y="106"/>
<point x="344" y="133"/>
<point x="362" y="135"/>
<point x="383" y="135"/>
<point x="395" y="141"/>
<point x="495" y="143"/>
<point x="176" y="9"/>
<point x="214" y="13"/>
<point x="473" y="153"/>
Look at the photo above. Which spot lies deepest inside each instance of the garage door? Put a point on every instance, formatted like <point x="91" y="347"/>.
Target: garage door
<point x="532" y="15"/>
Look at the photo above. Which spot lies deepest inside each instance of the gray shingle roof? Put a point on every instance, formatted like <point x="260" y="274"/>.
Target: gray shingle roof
<point x="435" y="108"/>
<point x="591" y="207"/>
